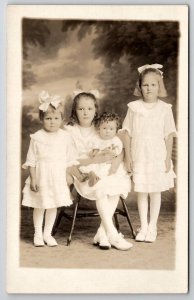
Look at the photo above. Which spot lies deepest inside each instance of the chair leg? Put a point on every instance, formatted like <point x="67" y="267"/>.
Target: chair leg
<point x="128" y="217"/>
<point x="57" y="222"/>
<point x="73" y="222"/>
<point x="116" y="221"/>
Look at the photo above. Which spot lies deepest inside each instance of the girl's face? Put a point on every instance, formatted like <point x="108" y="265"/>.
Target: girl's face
<point x="108" y="130"/>
<point x="150" y="87"/>
<point x="52" y="121"/>
<point x="85" y="111"/>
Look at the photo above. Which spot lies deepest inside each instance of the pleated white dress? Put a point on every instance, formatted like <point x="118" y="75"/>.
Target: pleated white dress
<point x="148" y="126"/>
<point x="50" y="153"/>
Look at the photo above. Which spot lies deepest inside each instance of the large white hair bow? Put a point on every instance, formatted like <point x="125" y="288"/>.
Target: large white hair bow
<point x="154" y="66"/>
<point x="45" y="99"/>
<point x="93" y="92"/>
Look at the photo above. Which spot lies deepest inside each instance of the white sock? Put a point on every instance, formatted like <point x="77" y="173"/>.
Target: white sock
<point x="50" y="216"/>
<point x="142" y="203"/>
<point x="155" y="203"/>
<point x="38" y="216"/>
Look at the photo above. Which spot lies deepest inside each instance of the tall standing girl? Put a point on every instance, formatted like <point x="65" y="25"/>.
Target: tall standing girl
<point x="81" y="128"/>
<point x="148" y="146"/>
<point x="49" y="151"/>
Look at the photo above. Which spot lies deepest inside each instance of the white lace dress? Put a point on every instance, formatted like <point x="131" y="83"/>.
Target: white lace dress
<point x="148" y="126"/>
<point x="50" y="154"/>
<point x="85" y="140"/>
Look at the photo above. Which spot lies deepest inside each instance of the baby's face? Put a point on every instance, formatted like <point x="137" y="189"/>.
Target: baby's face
<point x="108" y="130"/>
<point x="52" y="121"/>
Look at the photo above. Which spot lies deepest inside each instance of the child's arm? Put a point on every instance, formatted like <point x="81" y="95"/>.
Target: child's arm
<point x="126" y="140"/>
<point x="169" y="145"/>
<point x="116" y="162"/>
<point x="33" y="183"/>
<point x="99" y="158"/>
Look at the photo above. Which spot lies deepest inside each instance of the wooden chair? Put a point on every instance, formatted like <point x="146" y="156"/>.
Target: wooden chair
<point x="76" y="214"/>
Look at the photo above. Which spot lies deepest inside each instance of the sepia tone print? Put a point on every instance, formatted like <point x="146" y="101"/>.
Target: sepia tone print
<point x="61" y="56"/>
<point x="96" y="92"/>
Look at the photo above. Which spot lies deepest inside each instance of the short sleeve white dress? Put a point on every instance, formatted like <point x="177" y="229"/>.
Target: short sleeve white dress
<point x="148" y="126"/>
<point x="51" y="154"/>
<point x="85" y="140"/>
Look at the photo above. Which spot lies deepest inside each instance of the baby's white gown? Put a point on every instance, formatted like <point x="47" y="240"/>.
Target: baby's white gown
<point x="111" y="185"/>
<point x="50" y="153"/>
<point x="148" y="126"/>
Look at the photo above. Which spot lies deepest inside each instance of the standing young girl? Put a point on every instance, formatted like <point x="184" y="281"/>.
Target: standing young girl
<point x="46" y="188"/>
<point x="81" y="128"/>
<point x="148" y="147"/>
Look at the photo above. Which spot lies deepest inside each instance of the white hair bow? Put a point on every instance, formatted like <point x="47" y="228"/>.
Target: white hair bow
<point x="154" y="66"/>
<point x="93" y="92"/>
<point x="45" y="99"/>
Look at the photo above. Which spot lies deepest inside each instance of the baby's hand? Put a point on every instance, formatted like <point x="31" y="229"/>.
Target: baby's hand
<point x="168" y="164"/>
<point x="83" y="177"/>
<point x="34" y="186"/>
<point x="93" y="179"/>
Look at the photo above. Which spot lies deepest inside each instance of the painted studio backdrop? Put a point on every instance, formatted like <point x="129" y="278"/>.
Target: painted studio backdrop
<point x="60" y="56"/>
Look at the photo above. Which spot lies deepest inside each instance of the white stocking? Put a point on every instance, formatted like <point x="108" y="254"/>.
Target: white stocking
<point x="155" y="203"/>
<point x="112" y="201"/>
<point x="106" y="212"/>
<point x="38" y="216"/>
<point x="142" y="203"/>
<point x="50" y="217"/>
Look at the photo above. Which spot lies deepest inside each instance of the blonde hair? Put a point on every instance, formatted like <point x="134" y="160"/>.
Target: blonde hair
<point x="51" y="109"/>
<point x="162" y="90"/>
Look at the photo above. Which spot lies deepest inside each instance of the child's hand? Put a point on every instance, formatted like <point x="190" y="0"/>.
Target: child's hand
<point x="168" y="164"/>
<point x="106" y="151"/>
<point x="74" y="171"/>
<point x="34" y="186"/>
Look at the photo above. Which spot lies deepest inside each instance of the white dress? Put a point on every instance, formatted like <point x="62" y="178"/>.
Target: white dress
<point x="112" y="146"/>
<point x="85" y="140"/>
<point x="50" y="153"/>
<point x="148" y="126"/>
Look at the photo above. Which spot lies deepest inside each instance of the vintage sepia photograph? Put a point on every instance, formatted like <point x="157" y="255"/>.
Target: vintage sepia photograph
<point x="96" y="141"/>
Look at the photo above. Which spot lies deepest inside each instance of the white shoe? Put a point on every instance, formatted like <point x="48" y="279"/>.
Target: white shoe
<point x="38" y="241"/>
<point x="120" y="243"/>
<point x="50" y="241"/>
<point x="151" y="235"/>
<point x="101" y="240"/>
<point x="140" y="237"/>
